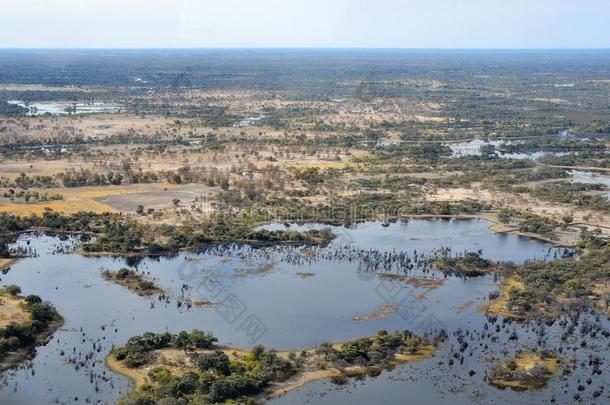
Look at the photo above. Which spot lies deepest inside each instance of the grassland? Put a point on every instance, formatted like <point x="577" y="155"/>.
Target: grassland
<point x="109" y="199"/>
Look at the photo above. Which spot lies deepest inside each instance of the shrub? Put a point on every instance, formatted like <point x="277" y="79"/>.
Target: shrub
<point x="13" y="289"/>
<point x="160" y="375"/>
<point x="217" y="362"/>
<point x="137" y="359"/>
<point x="121" y="353"/>
<point x="33" y="299"/>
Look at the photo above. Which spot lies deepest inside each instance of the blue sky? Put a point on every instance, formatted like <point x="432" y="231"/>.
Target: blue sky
<point x="305" y="23"/>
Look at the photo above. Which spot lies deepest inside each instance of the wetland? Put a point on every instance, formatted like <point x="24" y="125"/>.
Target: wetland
<point x="304" y="226"/>
<point x="299" y="312"/>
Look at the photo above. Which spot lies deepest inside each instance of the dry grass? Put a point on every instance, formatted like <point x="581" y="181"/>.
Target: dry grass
<point x="66" y="207"/>
<point x="525" y="363"/>
<point x="6" y="262"/>
<point x="158" y="199"/>
<point x="600" y="290"/>
<point x="42" y="87"/>
<point x="94" y="125"/>
<point x="136" y="376"/>
<point x="12" y="310"/>
<point x="499" y="306"/>
<point x="83" y="199"/>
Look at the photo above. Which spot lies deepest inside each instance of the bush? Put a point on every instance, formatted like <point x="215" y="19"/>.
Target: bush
<point x="137" y="359"/>
<point x="222" y="390"/>
<point x="146" y="285"/>
<point x="121" y="353"/>
<point x="124" y="273"/>
<point x="218" y="379"/>
<point x="13" y="289"/>
<point x="201" y="340"/>
<point x="160" y="375"/>
<point x="217" y="362"/>
<point x="33" y="299"/>
<point x="186" y="384"/>
<point x="43" y="313"/>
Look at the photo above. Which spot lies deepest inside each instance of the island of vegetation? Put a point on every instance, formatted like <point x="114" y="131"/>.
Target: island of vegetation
<point x="192" y="368"/>
<point x="471" y="264"/>
<point x="525" y="371"/>
<point x="133" y="280"/>
<point x="543" y="289"/>
<point x="25" y="322"/>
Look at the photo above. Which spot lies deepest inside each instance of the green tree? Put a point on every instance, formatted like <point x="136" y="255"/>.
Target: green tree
<point x="13" y="289"/>
<point x="218" y="362"/>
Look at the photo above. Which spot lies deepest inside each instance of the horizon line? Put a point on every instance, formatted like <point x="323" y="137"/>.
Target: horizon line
<point x="313" y="48"/>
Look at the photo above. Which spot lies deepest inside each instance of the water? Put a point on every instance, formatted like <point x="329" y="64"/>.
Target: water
<point x="588" y="177"/>
<point x="66" y="107"/>
<point x="473" y="148"/>
<point x="434" y="381"/>
<point x="249" y="121"/>
<point x="291" y="311"/>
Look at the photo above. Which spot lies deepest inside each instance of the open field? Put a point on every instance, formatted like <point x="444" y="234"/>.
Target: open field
<point x="156" y="198"/>
<point x="113" y="199"/>
<point x="95" y="126"/>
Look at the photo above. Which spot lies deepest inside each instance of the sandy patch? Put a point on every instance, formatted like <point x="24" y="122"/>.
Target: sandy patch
<point x="382" y="312"/>
<point x="11" y="310"/>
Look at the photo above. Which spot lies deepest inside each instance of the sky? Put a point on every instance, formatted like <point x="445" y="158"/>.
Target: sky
<point x="305" y="24"/>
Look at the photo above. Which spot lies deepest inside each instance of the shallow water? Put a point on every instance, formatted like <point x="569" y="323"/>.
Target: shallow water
<point x="66" y="107"/>
<point x="276" y="307"/>
<point x="473" y="148"/>
<point x="588" y="177"/>
<point x="436" y="381"/>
